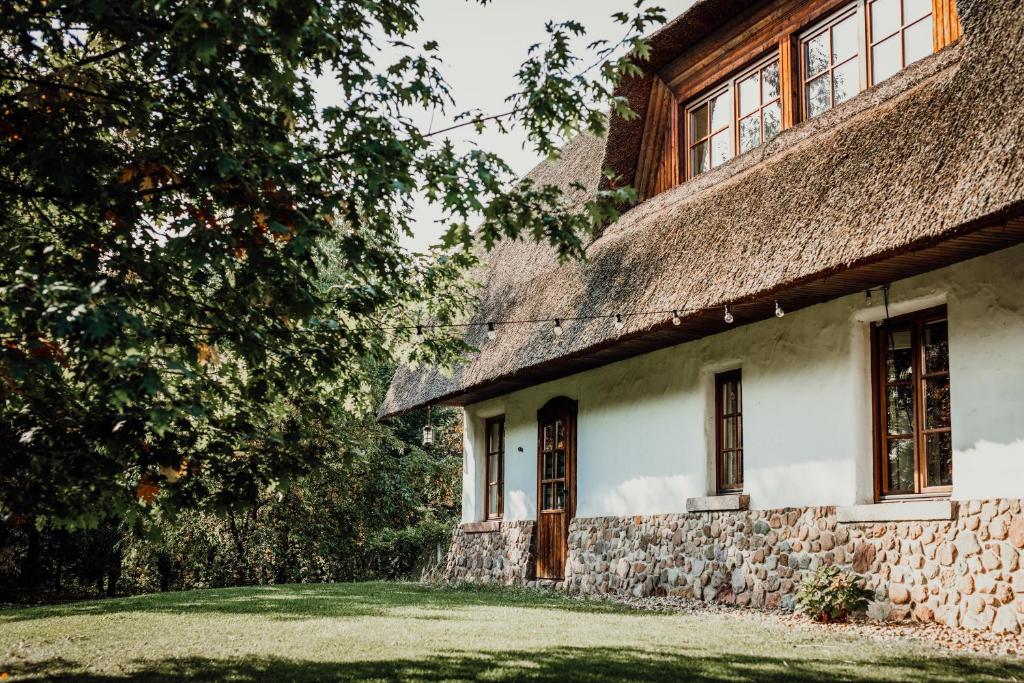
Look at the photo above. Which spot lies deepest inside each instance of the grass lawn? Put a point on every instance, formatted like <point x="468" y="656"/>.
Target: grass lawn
<point x="407" y="632"/>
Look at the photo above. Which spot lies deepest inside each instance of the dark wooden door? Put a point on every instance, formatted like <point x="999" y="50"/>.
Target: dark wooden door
<point x="556" y="484"/>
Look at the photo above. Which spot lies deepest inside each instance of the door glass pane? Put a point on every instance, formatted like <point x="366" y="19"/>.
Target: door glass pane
<point x="750" y="94"/>
<point x="885" y="18"/>
<point x="559" y="464"/>
<point x="699" y="160"/>
<point x="939" y="455"/>
<point x="559" y="434"/>
<point x="915" y="9"/>
<point x="769" y="83"/>
<point x="886" y="59"/>
<point x="900" y="409"/>
<point x="699" y="123"/>
<point x="818" y="95"/>
<point x="559" y="495"/>
<point x="772" y="120"/>
<point x="846" y="81"/>
<point x="936" y="403"/>
<point x="721" y="111"/>
<point x="816" y="54"/>
<point x="844" y="39"/>
<point x="918" y="41"/>
<point x="901" y="465"/>
<point x="721" y="149"/>
<point x="898" y="355"/>
<point x="492" y="500"/>
<point x="548" y="471"/>
<point x="549" y="437"/>
<point x="750" y="133"/>
<point x="936" y="347"/>
<point x="548" y="496"/>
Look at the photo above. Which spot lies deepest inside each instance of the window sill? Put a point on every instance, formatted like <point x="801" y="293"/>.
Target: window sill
<point x="903" y="511"/>
<point x="489" y="526"/>
<point x="725" y="503"/>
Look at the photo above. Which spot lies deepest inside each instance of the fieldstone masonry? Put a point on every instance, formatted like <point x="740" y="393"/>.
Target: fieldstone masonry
<point x="966" y="572"/>
<point x="502" y="556"/>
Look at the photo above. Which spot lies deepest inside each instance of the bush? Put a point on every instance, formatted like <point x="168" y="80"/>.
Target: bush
<point x="831" y="594"/>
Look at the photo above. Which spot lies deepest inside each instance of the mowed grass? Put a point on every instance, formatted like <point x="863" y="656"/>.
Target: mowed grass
<point x="409" y="632"/>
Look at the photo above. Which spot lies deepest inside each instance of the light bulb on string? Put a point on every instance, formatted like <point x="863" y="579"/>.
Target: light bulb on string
<point x="778" y="310"/>
<point x="729" y="318"/>
<point x="491" y="332"/>
<point x="676" y="320"/>
<point x="619" y="322"/>
<point x="558" y="328"/>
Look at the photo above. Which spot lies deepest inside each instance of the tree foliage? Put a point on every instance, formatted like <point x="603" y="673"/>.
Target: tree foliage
<point x="199" y="265"/>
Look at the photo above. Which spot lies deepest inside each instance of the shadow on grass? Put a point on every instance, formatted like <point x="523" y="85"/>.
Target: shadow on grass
<point x="306" y="601"/>
<point x="557" y="664"/>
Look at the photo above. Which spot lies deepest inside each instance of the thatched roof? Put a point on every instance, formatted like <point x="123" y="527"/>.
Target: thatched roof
<point x="910" y="176"/>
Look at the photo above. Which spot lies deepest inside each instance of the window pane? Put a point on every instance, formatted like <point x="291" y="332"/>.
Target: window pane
<point x="750" y="133"/>
<point x="549" y="437"/>
<point x="885" y="59"/>
<point x="769" y="82"/>
<point x="559" y="434"/>
<point x="730" y="398"/>
<point x="917" y="41"/>
<point x="492" y="500"/>
<point x="899" y="402"/>
<point x="846" y="81"/>
<point x="898" y="355"/>
<point x="885" y="18"/>
<point x="816" y="54"/>
<point x="818" y="95"/>
<point x="936" y="403"/>
<point x="560" y="465"/>
<point x="699" y="161"/>
<point x="772" y="120"/>
<point x="844" y="39"/>
<point x="730" y="431"/>
<point x="728" y="469"/>
<point x="549" y="466"/>
<point x="939" y="457"/>
<point x="915" y="9"/>
<point x="750" y="94"/>
<point x="721" y="148"/>
<point x="494" y="438"/>
<point x="699" y="123"/>
<point x="901" y="465"/>
<point x="721" y="111"/>
<point x="492" y="468"/>
<point x="936" y="347"/>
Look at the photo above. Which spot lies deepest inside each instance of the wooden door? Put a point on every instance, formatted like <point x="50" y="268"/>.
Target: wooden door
<point x="556" y="484"/>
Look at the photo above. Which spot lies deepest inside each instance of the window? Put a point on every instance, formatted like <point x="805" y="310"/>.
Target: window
<point x="829" y="62"/>
<point x="553" y="473"/>
<point x="729" y="431"/>
<point x="912" y="405"/>
<point x="742" y="114"/>
<point x="495" y="467"/>
<point x="900" y="34"/>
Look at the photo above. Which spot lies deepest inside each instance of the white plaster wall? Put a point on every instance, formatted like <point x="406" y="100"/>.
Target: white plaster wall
<point x="645" y="428"/>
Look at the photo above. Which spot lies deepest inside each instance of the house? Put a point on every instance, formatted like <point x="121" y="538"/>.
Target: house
<point x="805" y="345"/>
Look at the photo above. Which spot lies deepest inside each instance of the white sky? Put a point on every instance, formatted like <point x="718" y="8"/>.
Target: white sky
<point x="482" y="47"/>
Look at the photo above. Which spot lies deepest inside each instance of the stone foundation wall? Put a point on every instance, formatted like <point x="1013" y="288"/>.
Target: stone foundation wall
<point x="503" y="555"/>
<point x="966" y="572"/>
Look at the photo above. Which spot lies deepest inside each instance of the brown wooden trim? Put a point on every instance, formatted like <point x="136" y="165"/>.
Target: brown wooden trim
<point x="500" y="455"/>
<point x="915" y="322"/>
<point x="789" y="80"/>
<point x="946" y="28"/>
<point x="721" y="485"/>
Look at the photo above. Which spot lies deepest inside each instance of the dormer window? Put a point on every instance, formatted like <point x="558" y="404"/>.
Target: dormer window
<point x="901" y="34"/>
<point x="830" y="62"/>
<point x="759" y="110"/>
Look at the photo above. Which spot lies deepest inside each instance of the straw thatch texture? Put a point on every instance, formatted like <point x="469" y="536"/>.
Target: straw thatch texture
<point x="932" y="153"/>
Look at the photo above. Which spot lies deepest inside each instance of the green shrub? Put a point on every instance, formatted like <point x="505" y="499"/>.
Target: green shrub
<point x="831" y="594"/>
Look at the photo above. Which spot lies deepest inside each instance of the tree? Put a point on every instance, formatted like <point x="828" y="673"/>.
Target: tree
<point x="199" y="265"/>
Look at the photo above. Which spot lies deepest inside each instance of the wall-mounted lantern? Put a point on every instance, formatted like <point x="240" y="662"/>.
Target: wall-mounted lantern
<point x="428" y="432"/>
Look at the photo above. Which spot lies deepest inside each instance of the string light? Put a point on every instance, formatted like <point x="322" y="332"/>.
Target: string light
<point x="558" y="328"/>
<point x="491" y="332"/>
<point x="619" y="323"/>
<point x="778" y="310"/>
<point x="676" y="320"/>
<point x="729" y="318"/>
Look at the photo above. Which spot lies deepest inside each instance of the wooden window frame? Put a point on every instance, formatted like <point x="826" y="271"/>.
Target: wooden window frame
<point x="722" y="486"/>
<point x="687" y="147"/>
<point x="500" y="455"/>
<point x="757" y="67"/>
<point x="855" y="9"/>
<point x="870" y="42"/>
<point x="917" y="322"/>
